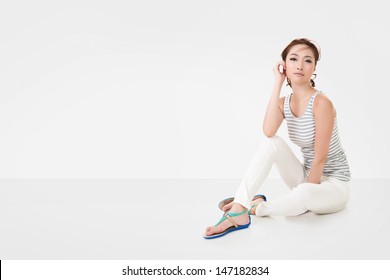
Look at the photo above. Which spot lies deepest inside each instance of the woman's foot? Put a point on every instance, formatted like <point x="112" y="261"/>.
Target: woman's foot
<point x="239" y="220"/>
<point x="256" y="201"/>
<point x="254" y="205"/>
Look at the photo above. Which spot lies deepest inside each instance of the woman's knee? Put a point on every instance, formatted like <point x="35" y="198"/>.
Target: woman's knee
<point x="273" y="142"/>
<point x="272" y="139"/>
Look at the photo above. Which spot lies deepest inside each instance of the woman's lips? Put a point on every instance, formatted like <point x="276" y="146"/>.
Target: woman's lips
<point x="299" y="74"/>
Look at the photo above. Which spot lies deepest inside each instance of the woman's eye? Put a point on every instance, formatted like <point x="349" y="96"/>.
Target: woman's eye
<point x="294" y="59"/>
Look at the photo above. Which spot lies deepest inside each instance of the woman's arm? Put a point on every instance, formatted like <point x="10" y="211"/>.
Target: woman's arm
<point x="324" y="115"/>
<point x="274" y="115"/>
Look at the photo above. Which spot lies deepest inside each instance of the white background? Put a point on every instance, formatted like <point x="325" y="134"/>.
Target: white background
<point x="177" y="89"/>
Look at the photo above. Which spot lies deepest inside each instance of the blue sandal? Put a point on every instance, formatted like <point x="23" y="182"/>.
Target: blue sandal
<point x="234" y="227"/>
<point x="230" y="199"/>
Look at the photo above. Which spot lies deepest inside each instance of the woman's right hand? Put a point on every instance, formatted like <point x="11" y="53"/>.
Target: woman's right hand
<point x="279" y="76"/>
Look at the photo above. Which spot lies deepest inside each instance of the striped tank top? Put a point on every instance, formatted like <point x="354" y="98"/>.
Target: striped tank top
<point x="301" y="131"/>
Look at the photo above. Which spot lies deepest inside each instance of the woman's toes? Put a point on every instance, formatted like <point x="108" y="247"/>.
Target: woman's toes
<point x="257" y="201"/>
<point x="227" y="207"/>
<point x="209" y="231"/>
<point x="214" y="229"/>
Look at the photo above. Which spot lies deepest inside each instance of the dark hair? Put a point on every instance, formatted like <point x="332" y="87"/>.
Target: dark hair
<point x="303" y="41"/>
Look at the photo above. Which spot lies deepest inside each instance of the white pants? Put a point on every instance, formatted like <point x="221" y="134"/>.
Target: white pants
<point x="330" y="196"/>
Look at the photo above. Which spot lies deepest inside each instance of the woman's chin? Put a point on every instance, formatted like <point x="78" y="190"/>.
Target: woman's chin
<point x="299" y="82"/>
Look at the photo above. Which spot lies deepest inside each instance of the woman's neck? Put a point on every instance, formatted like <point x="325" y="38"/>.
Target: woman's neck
<point x="302" y="93"/>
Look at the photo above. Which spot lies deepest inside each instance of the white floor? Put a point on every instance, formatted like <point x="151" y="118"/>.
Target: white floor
<point x="164" y="219"/>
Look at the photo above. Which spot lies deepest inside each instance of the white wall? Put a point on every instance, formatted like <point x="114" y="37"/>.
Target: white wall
<point x="177" y="89"/>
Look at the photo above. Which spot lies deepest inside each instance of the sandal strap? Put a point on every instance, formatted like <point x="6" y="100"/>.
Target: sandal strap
<point x="231" y="220"/>
<point x="230" y="215"/>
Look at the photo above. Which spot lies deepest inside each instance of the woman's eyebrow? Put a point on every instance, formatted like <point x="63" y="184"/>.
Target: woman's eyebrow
<point x="304" y="56"/>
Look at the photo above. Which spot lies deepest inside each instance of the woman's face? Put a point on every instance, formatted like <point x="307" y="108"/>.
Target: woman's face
<point x="300" y="64"/>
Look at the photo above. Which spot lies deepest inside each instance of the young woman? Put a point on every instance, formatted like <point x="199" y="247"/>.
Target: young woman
<point x="320" y="183"/>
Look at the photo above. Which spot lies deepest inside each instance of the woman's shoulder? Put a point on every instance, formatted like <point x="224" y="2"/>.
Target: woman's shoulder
<point x="281" y="100"/>
<point x="322" y="103"/>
